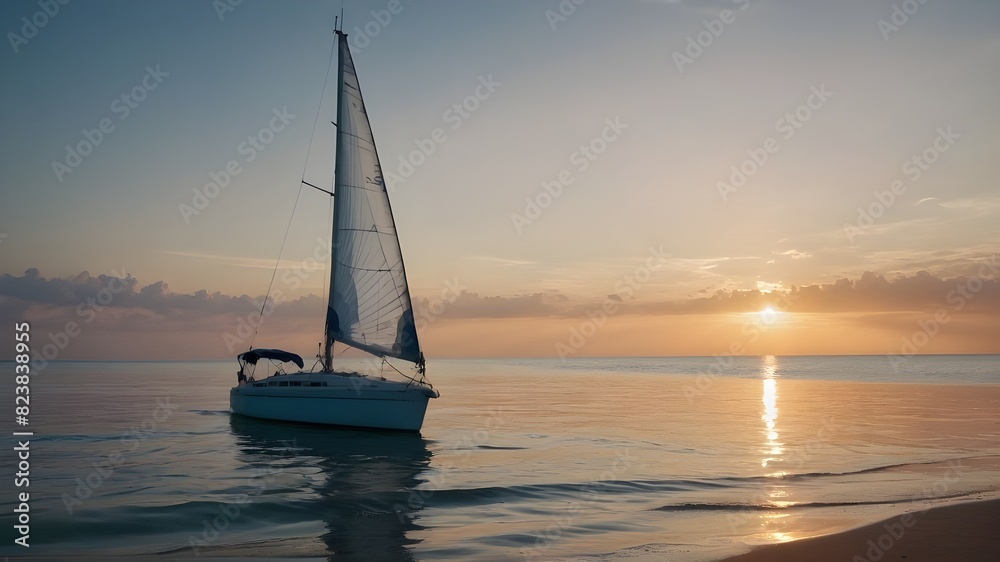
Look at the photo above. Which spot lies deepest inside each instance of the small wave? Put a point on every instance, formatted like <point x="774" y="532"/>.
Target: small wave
<point x="572" y="490"/>
<point x="764" y="507"/>
<point x="793" y="476"/>
<point x="771" y="507"/>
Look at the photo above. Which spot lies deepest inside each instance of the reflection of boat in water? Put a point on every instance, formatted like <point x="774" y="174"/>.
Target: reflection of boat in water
<point x="358" y="484"/>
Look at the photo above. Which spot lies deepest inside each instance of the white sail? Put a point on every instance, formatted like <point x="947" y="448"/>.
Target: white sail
<point x="369" y="303"/>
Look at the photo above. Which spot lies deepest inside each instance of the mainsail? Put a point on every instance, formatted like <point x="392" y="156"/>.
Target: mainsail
<point x="369" y="303"/>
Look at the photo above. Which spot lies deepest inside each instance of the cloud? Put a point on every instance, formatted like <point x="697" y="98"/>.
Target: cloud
<point x="796" y="254"/>
<point x="117" y="313"/>
<point x="871" y="292"/>
<point x="970" y="207"/>
<point x="921" y="291"/>
<point x="118" y="290"/>
<point x="473" y="305"/>
<point x="976" y="292"/>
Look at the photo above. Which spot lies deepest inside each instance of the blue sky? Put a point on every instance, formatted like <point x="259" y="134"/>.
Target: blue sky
<point x="656" y="185"/>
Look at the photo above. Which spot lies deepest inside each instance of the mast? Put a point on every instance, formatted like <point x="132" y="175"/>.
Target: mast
<point x="332" y="322"/>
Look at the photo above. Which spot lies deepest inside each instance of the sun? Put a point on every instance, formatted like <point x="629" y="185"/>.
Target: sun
<point x="765" y="317"/>
<point x="769" y="315"/>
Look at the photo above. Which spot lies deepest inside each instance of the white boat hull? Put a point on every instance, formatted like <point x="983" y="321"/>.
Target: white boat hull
<point x="346" y="399"/>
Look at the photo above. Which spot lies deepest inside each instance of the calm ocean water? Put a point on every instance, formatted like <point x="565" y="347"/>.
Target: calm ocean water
<point x="617" y="458"/>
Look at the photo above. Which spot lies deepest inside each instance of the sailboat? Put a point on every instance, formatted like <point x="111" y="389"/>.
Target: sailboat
<point x="368" y="304"/>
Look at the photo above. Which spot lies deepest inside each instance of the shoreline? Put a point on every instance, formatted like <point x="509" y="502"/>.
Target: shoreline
<point x="968" y="531"/>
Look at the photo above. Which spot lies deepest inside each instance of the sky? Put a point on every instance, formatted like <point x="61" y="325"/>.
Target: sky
<point x="627" y="177"/>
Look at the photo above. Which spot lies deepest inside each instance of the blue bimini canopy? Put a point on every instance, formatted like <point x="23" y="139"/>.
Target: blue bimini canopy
<point x="255" y="355"/>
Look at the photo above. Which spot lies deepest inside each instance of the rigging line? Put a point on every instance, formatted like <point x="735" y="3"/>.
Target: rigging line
<point x="366" y="316"/>
<point x="366" y="230"/>
<point x="288" y="228"/>
<point x="370" y="189"/>
<point x="349" y="266"/>
<point x="360" y="139"/>
<point x="312" y="136"/>
<point x="319" y="188"/>
<point x="326" y="272"/>
<point x="274" y="273"/>
<point x="411" y="379"/>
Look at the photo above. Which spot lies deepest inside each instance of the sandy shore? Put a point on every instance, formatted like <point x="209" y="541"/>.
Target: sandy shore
<point x="969" y="532"/>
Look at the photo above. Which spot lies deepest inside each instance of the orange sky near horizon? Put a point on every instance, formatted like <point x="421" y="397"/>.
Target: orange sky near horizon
<point x="680" y="335"/>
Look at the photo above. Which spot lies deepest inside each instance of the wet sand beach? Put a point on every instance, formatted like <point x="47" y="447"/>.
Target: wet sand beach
<point x="969" y="532"/>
